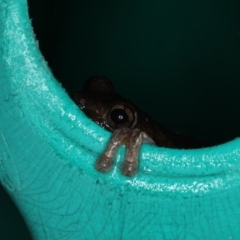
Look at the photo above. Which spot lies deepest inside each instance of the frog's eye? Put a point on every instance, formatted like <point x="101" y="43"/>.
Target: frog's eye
<point x="121" y="116"/>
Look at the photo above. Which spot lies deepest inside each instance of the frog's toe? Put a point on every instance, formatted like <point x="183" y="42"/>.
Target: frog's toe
<point x="103" y="164"/>
<point x="129" y="168"/>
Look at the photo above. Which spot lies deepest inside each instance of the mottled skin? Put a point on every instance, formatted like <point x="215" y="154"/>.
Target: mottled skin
<point x="99" y="101"/>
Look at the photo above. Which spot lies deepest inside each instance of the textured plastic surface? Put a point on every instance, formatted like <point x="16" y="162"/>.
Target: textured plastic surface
<point x="47" y="151"/>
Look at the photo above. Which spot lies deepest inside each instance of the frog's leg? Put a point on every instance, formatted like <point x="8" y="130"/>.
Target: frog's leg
<point x="136" y="138"/>
<point x="104" y="163"/>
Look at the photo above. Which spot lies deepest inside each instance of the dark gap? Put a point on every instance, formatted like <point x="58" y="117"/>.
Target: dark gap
<point x="177" y="61"/>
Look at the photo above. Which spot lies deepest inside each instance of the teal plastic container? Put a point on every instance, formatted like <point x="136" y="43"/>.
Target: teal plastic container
<point x="48" y="146"/>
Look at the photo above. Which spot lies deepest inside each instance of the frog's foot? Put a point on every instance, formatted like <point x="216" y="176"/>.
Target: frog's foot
<point x="105" y="161"/>
<point x="136" y="139"/>
<point x="133" y="138"/>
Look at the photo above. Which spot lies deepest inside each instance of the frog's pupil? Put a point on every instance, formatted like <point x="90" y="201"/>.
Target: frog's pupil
<point x="119" y="116"/>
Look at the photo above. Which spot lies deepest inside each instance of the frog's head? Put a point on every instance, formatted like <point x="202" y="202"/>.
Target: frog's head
<point x="99" y="101"/>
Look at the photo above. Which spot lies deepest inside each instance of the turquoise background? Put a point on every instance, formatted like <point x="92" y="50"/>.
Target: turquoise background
<point x="188" y="51"/>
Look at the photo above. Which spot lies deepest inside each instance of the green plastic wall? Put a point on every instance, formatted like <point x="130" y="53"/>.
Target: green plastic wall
<point x="178" y="61"/>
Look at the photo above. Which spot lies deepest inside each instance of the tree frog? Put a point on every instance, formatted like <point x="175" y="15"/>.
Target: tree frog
<point x="130" y="126"/>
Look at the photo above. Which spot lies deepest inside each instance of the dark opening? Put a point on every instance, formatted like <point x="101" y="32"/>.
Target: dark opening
<point x="177" y="60"/>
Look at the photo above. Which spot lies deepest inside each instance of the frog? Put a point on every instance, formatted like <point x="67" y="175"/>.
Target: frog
<point x="130" y="126"/>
